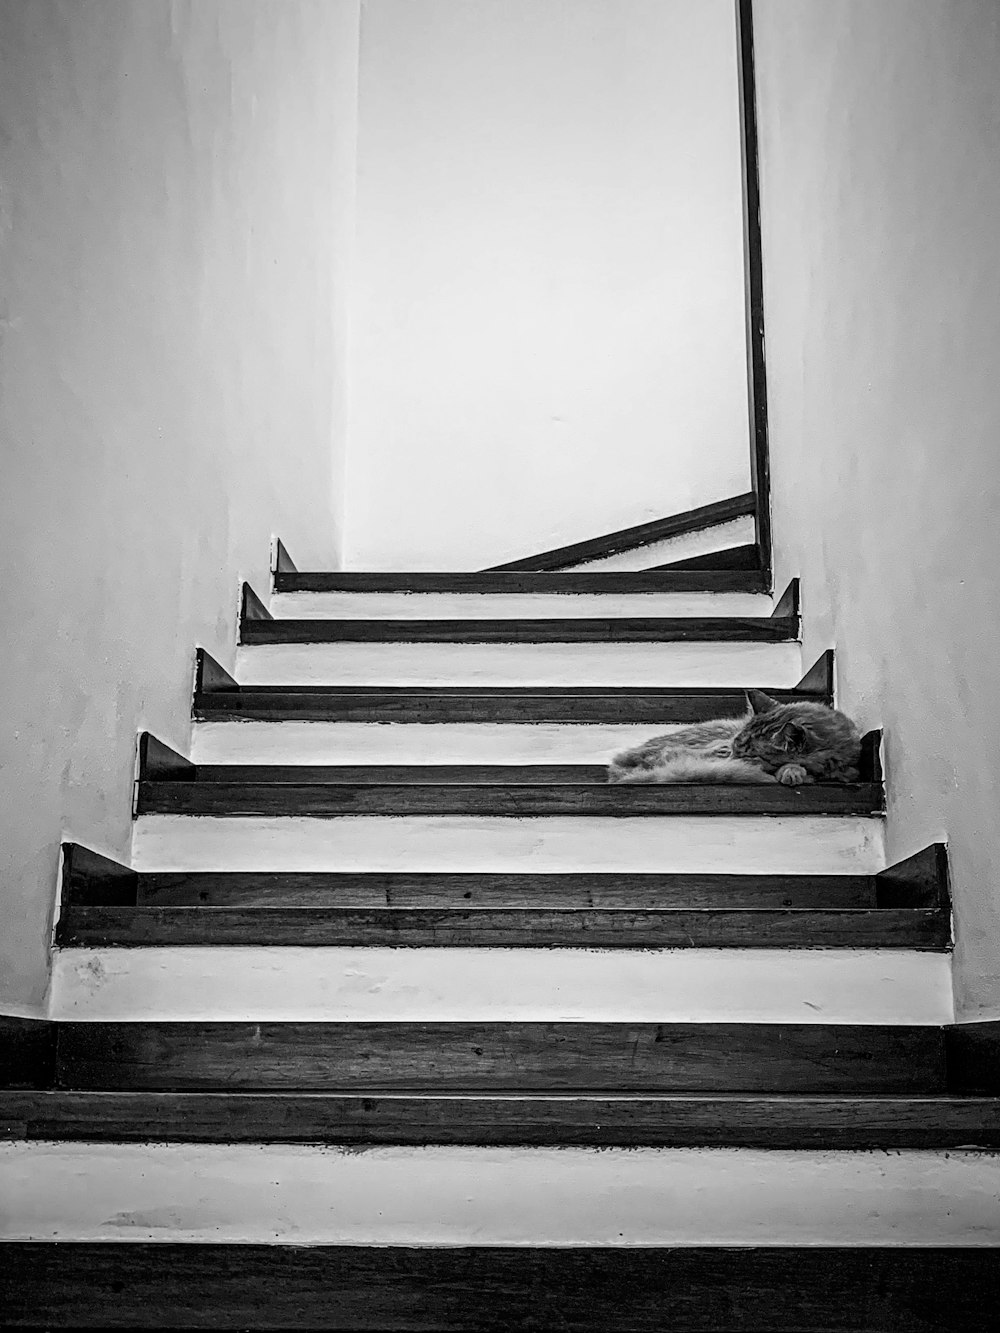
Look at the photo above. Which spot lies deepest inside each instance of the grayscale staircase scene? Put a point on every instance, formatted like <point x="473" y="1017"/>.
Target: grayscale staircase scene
<point x="403" y="1018"/>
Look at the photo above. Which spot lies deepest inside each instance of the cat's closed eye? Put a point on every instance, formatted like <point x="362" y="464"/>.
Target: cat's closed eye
<point x="792" y="738"/>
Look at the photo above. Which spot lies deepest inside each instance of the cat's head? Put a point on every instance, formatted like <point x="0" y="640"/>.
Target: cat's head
<point x="776" y="733"/>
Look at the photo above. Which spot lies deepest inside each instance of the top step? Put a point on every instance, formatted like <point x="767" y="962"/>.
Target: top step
<point x="486" y="582"/>
<point x="648" y="583"/>
<point x="709" y="584"/>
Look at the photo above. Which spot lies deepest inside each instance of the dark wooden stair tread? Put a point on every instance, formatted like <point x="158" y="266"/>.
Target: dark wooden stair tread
<point x="524" y="927"/>
<point x="92" y="880"/>
<point x="600" y="1119"/>
<point x="402" y="774"/>
<point x="742" y="579"/>
<point x="170" y="783"/>
<point x="494" y="1289"/>
<point x="722" y="696"/>
<point x="620" y="801"/>
<point x="562" y="629"/>
<point x="496" y="1057"/>
<point x="219" y="697"/>
<point x="428" y="775"/>
<point x="415" y="704"/>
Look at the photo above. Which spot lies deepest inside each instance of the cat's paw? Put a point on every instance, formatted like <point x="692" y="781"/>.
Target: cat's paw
<point x="793" y="775"/>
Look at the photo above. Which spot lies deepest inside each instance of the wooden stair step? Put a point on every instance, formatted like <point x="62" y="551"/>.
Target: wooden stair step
<point x="245" y="798"/>
<point x="630" y="629"/>
<point x="430" y="775"/>
<point x="219" y="697"/>
<point x="91" y="880"/>
<point x="403" y="774"/>
<point x="699" y="579"/>
<point x="413" y="704"/>
<point x="538" y="927"/>
<point x="170" y="784"/>
<point x="507" y="1118"/>
<point x="492" y="1289"/>
<point x="372" y="1057"/>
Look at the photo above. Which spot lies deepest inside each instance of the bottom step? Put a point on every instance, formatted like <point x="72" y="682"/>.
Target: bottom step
<point x="488" y="1290"/>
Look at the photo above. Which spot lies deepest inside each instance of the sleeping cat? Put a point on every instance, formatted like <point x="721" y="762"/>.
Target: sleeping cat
<point x="774" y="742"/>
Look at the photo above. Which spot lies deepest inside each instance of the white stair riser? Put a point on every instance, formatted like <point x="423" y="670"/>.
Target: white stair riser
<point x="274" y="1193"/>
<point x="738" y="532"/>
<point x="258" y="984"/>
<point x="509" y="606"/>
<point x="703" y="844"/>
<point x="664" y="664"/>
<point x="412" y="743"/>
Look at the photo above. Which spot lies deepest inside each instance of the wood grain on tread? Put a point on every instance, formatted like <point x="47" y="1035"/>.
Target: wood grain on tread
<point x="537" y="927"/>
<point x="92" y="880"/>
<point x="403" y="774"/>
<point x="720" y="695"/>
<point x="604" y="891"/>
<point x="389" y="1289"/>
<point x="425" y="775"/>
<point x="663" y="1120"/>
<point x="457" y="1057"/>
<point x="613" y="582"/>
<point x="561" y="629"/>
<point x="515" y="802"/>
<point x="415" y="705"/>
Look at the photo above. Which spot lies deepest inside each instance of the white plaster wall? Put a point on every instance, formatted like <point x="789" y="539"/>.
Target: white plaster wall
<point x="881" y="195"/>
<point x="548" y="333"/>
<point x="174" y="179"/>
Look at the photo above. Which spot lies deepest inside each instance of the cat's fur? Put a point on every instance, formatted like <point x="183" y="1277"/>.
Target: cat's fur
<point x="790" y="743"/>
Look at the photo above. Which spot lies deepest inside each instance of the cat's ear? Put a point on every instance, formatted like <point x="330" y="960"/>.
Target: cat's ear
<point x="760" y="702"/>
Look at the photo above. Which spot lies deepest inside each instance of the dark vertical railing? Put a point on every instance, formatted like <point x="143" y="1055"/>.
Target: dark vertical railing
<point x="760" y="475"/>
